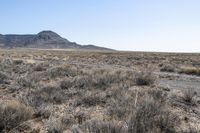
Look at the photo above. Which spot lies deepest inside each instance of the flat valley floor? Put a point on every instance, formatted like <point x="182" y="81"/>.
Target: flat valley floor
<point x="64" y="91"/>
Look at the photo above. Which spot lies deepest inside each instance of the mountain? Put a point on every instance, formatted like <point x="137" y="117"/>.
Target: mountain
<point x="44" y="40"/>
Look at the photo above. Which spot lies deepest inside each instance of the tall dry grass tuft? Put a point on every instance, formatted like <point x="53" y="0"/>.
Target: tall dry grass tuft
<point x="12" y="114"/>
<point x="151" y="116"/>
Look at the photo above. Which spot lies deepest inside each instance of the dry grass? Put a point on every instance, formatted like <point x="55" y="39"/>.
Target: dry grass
<point x="190" y="70"/>
<point x="12" y="114"/>
<point x="151" y="117"/>
<point x="189" y="96"/>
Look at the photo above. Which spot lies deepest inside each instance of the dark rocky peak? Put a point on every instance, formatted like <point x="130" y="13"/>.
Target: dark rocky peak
<point x="1" y="35"/>
<point x="48" y="35"/>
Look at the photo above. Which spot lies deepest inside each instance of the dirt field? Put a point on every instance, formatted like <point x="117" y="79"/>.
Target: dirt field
<point x="60" y="91"/>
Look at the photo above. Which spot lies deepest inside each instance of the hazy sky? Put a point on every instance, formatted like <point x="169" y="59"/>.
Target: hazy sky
<point x="144" y="25"/>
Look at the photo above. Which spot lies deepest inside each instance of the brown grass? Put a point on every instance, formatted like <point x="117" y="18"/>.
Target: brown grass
<point x="190" y="70"/>
<point x="12" y="114"/>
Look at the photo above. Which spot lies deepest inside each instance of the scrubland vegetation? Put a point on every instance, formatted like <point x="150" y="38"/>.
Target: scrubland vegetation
<point x="87" y="92"/>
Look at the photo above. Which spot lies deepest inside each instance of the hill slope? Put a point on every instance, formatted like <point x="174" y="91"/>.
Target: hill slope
<point x="44" y="39"/>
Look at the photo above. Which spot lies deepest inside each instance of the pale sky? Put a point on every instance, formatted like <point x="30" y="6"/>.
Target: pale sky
<point x="136" y="25"/>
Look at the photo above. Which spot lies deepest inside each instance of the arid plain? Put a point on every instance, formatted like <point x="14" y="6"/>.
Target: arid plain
<point x="76" y="91"/>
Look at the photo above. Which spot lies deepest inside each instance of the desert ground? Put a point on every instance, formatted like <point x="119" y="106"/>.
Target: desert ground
<point x="72" y="91"/>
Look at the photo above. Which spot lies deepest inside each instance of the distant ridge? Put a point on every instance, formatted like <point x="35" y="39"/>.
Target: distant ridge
<point x="43" y="40"/>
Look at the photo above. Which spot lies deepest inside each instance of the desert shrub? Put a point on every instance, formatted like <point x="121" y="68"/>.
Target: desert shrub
<point x="28" y="80"/>
<point x="67" y="121"/>
<point x="98" y="79"/>
<point x="20" y="69"/>
<point x="151" y="117"/>
<point x="6" y="64"/>
<point x="102" y="81"/>
<point x="3" y="77"/>
<point x="90" y="100"/>
<point x="121" y="103"/>
<point x="18" y="62"/>
<point x="92" y="81"/>
<point x="40" y="67"/>
<point x="80" y="117"/>
<point x="60" y="71"/>
<point x="59" y="124"/>
<point x="12" y="114"/>
<point x="192" y="130"/>
<point x="42" y="96"/>
<point x="7" y="61"/>
<point x="83" y="82"/>
<point x="158" y="95"/>
<point x="167" y="68"/>
<point x="146" y="112"/>
<point x="120" y="109"/>
<point x="54" y="125"/>
<point x="145" y="78"/>
<point x="66" y="83"/>
<point x="189" y="96"/>
<point x="186" y="100"/>
<point x="43" y="111"/>
<point x="97" y="126"/>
